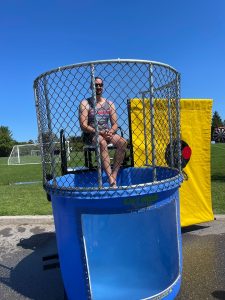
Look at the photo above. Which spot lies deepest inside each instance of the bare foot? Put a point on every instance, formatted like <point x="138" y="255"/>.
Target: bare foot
<point x="113" y="185"/>
<point x="112" y="181"/>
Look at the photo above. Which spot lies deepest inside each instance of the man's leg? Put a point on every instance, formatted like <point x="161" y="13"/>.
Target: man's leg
<point x="105" y="159"/>
<point x="121" y="145"/>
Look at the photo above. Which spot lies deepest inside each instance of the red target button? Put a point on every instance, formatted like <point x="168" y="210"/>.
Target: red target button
<point x="186" y="152"/>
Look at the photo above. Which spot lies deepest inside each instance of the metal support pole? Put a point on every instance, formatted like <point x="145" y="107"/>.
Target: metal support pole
<point x="152" y="118"/>
<point x="145" y="131"/>
<point x="50" y="137"/>
<point x="36" y="96"/>
<point x="170" y="130"/>
<point x="98" y="154"/>
<point x="178" y="121"/>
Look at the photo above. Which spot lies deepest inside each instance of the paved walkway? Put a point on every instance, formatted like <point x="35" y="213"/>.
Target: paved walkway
<point x="24" y="241"/>
<point x="204" y="261"/>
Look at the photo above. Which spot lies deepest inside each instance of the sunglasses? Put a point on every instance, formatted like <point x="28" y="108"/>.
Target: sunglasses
<point x="98" y="84"/>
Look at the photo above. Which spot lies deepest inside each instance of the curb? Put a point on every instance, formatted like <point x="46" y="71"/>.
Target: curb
<point x="219" y="217"/>
<point x="26" y="220"/>
<point x="48" y="220"/>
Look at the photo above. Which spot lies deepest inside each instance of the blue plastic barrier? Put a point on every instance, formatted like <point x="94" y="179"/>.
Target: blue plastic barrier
<point x="123" y="243"/>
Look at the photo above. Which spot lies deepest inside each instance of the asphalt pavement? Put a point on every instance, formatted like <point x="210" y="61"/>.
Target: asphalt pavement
<point x="24" y="241"/>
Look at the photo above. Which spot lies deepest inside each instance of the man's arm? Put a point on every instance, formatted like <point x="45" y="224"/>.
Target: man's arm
<point x="113" y="118"/>
<point x="83" y="117"/>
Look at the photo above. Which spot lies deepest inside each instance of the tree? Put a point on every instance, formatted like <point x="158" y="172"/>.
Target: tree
<point x="6" y="141"/>
<point x="216" y="122"/>
<point x="48" y="137"/>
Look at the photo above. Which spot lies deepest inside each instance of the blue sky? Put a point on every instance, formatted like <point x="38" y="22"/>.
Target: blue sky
<point x="37" y="36"/>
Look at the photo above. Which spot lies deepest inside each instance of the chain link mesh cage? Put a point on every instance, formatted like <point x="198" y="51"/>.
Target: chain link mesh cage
<point x="145" y="96"/>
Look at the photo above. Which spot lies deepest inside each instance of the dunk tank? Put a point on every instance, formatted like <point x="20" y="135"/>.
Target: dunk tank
<point x="120" y="241"/>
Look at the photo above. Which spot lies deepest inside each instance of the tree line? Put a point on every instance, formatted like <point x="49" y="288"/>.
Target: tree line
<point x="7" y="142"/>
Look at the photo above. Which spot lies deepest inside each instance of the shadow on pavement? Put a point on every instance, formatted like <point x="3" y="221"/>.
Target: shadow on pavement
<point x="219" y="295"/>
<point x="35" y="241"/>
<point x="192" y="228"/>
<point x="28" y="277"/>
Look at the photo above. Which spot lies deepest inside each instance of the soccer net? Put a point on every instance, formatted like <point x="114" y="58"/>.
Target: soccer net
<point x="35" y="152"/>
<point x="31" y="154"/>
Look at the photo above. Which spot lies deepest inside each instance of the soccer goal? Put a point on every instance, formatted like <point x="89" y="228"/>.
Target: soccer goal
<point x="25" y="154"/>
<point x="28" y="154"/>
<point x="35" y="152"/>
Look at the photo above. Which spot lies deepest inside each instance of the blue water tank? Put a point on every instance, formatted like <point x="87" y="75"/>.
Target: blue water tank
<point x="119" y="243"/>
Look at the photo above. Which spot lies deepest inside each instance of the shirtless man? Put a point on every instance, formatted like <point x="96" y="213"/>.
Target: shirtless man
<point x="107" y="126"/>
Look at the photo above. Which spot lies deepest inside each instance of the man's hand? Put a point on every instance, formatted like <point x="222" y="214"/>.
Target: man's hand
<point x="106" y="134"/>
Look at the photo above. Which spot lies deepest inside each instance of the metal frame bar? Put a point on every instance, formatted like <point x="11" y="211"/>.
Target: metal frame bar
<point x="170" y="131"/>
<point x="145" y="133"/>
<point x="178" y="121"/>
<point x="104" y="62"/>
<point x="50" y="130"/>
<point x="39" y="131"/>
<point x="152" y="118"/>
<point x="171" y="180"/>
<point x="98" y="154"/>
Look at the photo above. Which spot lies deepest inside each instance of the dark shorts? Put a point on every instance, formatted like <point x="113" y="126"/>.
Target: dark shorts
<point x="88" y="138"/>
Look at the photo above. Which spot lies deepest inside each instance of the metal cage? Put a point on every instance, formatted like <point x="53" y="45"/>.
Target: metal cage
<point x="146" y="98"/>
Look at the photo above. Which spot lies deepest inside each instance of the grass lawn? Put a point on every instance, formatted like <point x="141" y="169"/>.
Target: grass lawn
<point x="30" y="199"/>
<point x="23" y="199"/>
<point x="218" y="178"/>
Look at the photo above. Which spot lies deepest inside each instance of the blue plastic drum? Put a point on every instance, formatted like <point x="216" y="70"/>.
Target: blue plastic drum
<point x="122" y="243"/>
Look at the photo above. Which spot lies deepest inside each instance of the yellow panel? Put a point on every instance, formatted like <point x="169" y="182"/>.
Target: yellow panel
<point x="162" y="136"/>
<point x="195" y="193"/>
